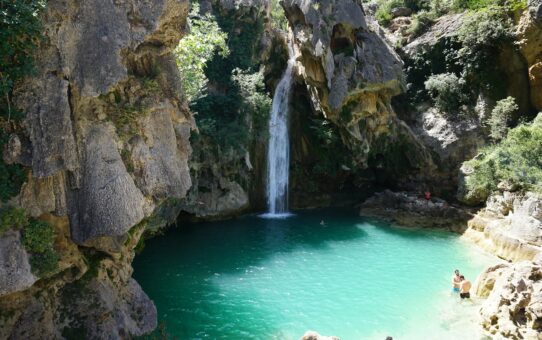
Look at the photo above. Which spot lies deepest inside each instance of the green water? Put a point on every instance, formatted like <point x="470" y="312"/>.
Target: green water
<point x="255" y="278"/>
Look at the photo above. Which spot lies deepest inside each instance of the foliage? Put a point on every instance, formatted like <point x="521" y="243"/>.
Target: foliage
<point x="20" y="33"/>
<point x="38" y="236"/>
<point x="481" y="34"/>
<point x="256" y="102"/>
<point x="278" y="17"/>
<point x="516" y="159"/>
<point x="12" y="176"/>
<point x="511" y="5"/>
<point x="383" y="13"/>
<point x="197" y="48"/>
<point x="500" y="116"/>
<point x="421" y="21"/>
<point x="447" y="90"/>
<point x="38" y="239"/>
<point x="229" y="111"/>
<point x="12" y="218"/>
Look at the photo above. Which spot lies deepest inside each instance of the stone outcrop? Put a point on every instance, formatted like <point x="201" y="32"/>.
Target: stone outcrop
<point x="510" y="226"/>
<point x="106" y="140"/>
<point x="529" y="36"/>
<point x="413" y="210"/>
<point x="513" y="308"/>
<point x="15" y="272"/>
<point x="351" y="74"/>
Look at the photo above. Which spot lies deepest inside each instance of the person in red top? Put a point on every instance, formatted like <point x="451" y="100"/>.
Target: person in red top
<point x="427" y="196"/>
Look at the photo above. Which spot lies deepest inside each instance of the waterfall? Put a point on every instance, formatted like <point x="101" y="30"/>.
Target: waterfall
<point x="278" y="155"/>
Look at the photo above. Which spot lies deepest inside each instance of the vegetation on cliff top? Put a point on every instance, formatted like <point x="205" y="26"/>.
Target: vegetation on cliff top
<point x="20" y="34"/>
<point x="516" y="160"/>
<point x="196" y="49"/>
<point x="37" y="237"/>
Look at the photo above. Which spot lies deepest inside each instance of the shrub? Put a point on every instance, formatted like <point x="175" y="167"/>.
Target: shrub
<point x="447" y="90"/>
<point x="38" y="240"/>
<point x="383" y="13"/>
<point x="511" y="5"/>
<point x="278" y="17"/>
<point x="481" y="34"/>
<point x="500" y="116"/>
<point x="516" y="159"/>
<point x="421" y="21"/>
<point x="196" y="49"/>
<point x="256" y="102"/>
<point x="12" y="218"/>
<point x="20" y="32"/>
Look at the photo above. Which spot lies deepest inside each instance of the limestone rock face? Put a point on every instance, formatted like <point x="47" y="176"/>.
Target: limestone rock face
<point x="453" y="141"/>
<point x="513" y="307"/>
<point x="350" y="71"/>
<point x="110" y="203"/>
<point x="510" y="226"/>
<point x="106" y="138"/>
<point x="15" y="272"/>
<point x="529" y="32"/>
<point x="411" y="210"/>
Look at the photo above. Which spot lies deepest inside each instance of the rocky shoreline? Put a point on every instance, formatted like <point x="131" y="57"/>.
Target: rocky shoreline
<point x="509" y="227"/>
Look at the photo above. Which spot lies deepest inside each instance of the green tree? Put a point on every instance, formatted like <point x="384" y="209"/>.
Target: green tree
<point x="197" y="48"/>
<point x="20" y="33"/>
<point x="500" y="116"/>
<point x="447" y="90"/>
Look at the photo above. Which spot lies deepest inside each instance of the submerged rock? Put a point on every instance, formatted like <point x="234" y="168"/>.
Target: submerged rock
<point x="413" y="210"/>
<point x="312" y="335"/>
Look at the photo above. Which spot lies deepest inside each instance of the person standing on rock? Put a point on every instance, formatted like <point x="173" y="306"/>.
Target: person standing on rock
<point x="456" y="281"/>
<point x="464" y="288"/>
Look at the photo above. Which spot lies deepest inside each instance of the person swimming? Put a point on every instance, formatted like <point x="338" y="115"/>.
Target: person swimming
<point x="464" y="288"/>
<point x="456" y="281"/>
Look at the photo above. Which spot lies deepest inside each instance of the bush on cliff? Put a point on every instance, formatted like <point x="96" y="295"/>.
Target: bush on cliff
<point x="500" y="116"/>
<point x="38" y="240"/>
<point x="20" y="33"/>
<point x="447" y="90"/>
<point x="196" y="49"/>
<point x="517" y="159"/>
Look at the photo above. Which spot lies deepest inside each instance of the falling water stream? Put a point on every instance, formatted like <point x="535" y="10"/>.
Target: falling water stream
<point x="278" y="157"/>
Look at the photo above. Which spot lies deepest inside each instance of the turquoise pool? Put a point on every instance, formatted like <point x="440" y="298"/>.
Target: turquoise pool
<point x="255" y="278"/>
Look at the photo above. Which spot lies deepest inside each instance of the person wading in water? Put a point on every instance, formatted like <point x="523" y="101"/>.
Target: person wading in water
<point x="456" y="281"/>
<point x="464" y="288"/>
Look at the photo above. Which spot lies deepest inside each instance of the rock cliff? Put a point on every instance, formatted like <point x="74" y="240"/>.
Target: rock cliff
<point x="106" y="142"/>
<point x="351" y="74"/>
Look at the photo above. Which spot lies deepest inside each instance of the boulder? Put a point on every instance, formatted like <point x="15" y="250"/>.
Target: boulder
<point x="312" y="335"/>
<point x="15" y="272"/>
<point x="510" y="226"/>
<point x="400" y="12"/>
<point x="513" y="308"/>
